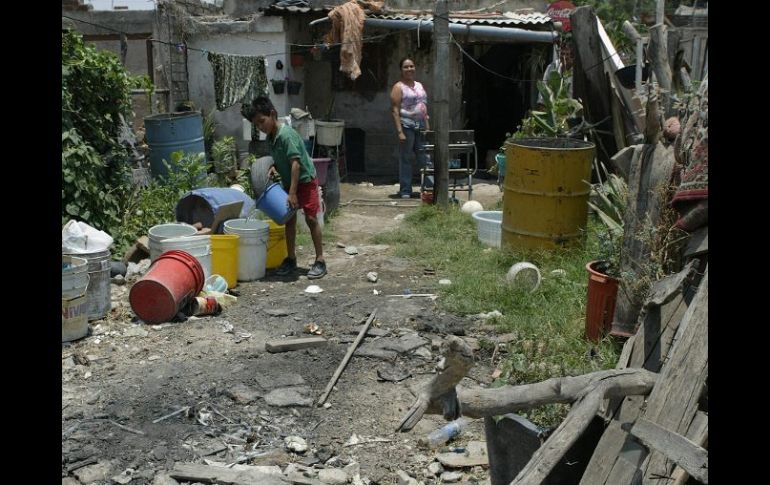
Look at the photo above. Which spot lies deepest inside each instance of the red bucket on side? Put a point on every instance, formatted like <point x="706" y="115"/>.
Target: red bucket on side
<point x="600" y="308"/>
<point x="172" y="280"/>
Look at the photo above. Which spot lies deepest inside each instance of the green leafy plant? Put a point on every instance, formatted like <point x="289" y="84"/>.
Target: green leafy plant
<point x="155" y="204"/>
<point x="96" y="92"/>
<point x="610" y="205"/>
<point x="223" y="155"/>
<point x="209" y="133"/>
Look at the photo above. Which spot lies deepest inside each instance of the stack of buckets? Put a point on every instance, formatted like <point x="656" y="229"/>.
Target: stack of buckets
<point x="74" y="301"/>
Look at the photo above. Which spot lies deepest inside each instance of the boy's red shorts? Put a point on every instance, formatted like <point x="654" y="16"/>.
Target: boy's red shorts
<point x="307" y="194"/>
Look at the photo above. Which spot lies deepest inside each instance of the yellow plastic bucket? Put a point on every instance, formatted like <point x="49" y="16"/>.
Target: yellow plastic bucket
<point x="224" y="257"/>
<point x="545" y="203"/>
<point x="276" y="245"/>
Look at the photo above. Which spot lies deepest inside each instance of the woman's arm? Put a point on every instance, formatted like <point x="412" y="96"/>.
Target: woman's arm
<point x="395" y="110"/>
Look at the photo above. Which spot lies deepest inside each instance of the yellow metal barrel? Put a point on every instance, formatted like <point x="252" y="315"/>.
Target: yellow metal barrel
<point x="545" y="203"/>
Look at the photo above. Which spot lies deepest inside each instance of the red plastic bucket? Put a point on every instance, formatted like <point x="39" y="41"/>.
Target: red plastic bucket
<point x="172" y="280"/>
<point x="600" y="308"/>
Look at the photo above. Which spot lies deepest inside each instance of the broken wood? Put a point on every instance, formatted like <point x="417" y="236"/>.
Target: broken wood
<point x="287" y="344"/>
<point x="440" y="390"/>
<point x="191" y="472"/>
<point x="578" y="419"/>
<point x="171" y="414"/>
<point x="352" y="348"/>
<point x="590" y="80"/>
<point x="652" y="127"/>
<point x="688" y="455"/>
<point x="130" y="430"/>
<point x="660" y="65"/>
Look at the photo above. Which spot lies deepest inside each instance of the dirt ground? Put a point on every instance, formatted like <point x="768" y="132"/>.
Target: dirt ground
<point x="123" y="377"/>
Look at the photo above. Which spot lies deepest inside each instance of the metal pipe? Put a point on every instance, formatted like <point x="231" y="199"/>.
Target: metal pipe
<point x="479" y="31"/>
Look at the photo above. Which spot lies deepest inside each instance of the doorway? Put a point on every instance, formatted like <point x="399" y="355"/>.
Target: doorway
<point x="496" y="102"/>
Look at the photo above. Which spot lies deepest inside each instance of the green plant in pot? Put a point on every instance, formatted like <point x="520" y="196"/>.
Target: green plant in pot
<point x="609" y="203"/>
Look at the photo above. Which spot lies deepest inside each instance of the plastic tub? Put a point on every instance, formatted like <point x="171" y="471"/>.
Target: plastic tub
<point x="166" y="231"/>
<point x="172" y="281"/>
<point x="74" y="298"/>
<point x="99" y="298"/>
<point x="224" y="257"/>
<point x="488" y="227"/>
<point x="252" y="246"/>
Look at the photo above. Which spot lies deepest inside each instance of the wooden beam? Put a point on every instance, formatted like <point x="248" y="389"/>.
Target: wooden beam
<point x="688" y="455"/>
<point x="193" y="472"/>
<point x="590" y="80"/>
<point x="548" y="456"/>
<point x="287" y="344"/>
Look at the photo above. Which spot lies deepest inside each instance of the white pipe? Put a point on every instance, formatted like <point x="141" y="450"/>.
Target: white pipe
<point x="479" y="31"/>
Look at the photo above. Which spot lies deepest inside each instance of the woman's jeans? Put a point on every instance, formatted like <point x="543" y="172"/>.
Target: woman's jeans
<point x="413" y="144"/>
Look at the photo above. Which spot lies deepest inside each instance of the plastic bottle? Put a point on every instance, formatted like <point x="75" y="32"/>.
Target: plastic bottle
<point x="445" y="433"/>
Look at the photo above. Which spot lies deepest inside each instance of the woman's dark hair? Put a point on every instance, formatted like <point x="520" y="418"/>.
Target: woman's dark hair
<point x="401" y="62"/>
<point x="261" y="105"/>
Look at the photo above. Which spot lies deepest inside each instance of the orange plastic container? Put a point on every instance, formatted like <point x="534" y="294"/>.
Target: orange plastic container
<point x="600" y="307"/>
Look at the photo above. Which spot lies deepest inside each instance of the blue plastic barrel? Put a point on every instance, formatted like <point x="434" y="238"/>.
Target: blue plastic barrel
<point x="170" y="132"/>
<point x="202" y="205"/>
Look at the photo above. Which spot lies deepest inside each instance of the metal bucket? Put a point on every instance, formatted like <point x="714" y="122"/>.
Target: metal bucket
<point x="545" y="204"/>
<point x="99" y="301"/>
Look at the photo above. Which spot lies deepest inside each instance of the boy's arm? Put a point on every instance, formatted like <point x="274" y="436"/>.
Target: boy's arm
<point x="295" y="167"/>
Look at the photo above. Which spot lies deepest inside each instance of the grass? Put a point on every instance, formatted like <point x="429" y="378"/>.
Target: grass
<point x="549" y="323"/>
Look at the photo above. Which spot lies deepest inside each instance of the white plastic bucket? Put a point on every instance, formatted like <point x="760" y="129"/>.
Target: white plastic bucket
<point x="99" y="300"/>
<point x="329" y="133"/>
<point x="74" y="298"/>
<point x="166" y="231"/>
<point x="252" y="246"/>
<point x="488" y="227"/>
<point x="196" y="246"/>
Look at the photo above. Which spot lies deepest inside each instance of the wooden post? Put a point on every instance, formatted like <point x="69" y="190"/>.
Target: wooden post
<point x="441" y="80"/>
<point x="659" y="54"/>
<point x="591" y="83"/>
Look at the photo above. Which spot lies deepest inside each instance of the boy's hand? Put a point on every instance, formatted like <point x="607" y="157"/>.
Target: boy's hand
<point x="271" y="172"/>
<point x="293" y="201"/>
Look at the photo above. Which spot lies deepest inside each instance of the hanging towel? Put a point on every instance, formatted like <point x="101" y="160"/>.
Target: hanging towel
<point x="237" y="78"/>
<point x="347" y="28"/>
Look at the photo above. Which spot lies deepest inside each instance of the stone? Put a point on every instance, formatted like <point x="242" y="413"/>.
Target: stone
<point x="371" y="276"/>
<point x="451" y="477"/>
<point x="69" y="481"/>
<point x="162" y="478"/>
<point x="118" y="280"/>
<point x="278" y="312"/>
<point x="124" y="477"/>
<point x="404" y="478"/>
<point x="274" y="381"/>
<point x="423" y="353"/>
<point x="435" y="469"/>
<point x="289" y="396"/>
<point x="135" y="331"/>
<point x="295" y="444"/>
<point x="351" y="250"/>
<point x="475" y="454"/>
<point x="333" y="476"/>
<point x="94" y="473"/>
<point x="243" y="394"/>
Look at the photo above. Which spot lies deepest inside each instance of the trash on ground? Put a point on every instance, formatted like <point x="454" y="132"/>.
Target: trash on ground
<point x="524" y="276"/>
<point x="445" y="282"/>
<point x="313" y="289"/>
<point x="295" y="444"/>
<point x="78" y="237"/>
<point x="371" y="276"/>
<point x="313" y="329"/>
<point x="351" y="250"/>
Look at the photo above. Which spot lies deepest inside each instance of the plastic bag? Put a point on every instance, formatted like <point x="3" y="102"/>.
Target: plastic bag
<point x="78" y="237"/>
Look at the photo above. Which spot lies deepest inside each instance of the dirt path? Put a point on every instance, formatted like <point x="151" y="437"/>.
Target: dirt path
<point x="126" y="375"/>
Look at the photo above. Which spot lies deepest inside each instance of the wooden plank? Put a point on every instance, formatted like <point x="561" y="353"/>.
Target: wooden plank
<point x="590" y="81"/>
<point x="658" y="326"/>
<point x="648" y="175"/>
<point x="194" y="472"/>
<point x="697" y="433"/>
<point x="677" y="448"/>
<point x="674" y="401"/>
<point x="287" y="344"/>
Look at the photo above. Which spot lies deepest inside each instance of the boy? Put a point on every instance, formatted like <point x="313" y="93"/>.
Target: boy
<point x="298" y="178"/>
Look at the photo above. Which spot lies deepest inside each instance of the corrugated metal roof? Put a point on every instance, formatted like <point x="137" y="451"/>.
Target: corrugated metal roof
<point x="508" y="18"/>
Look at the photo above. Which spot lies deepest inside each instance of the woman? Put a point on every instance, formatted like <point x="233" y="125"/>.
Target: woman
<point x="408" y="104"/>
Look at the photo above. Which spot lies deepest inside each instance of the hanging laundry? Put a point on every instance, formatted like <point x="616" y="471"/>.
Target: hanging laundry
<point x="347" y="29"/>
<point x="237" y="78"/>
